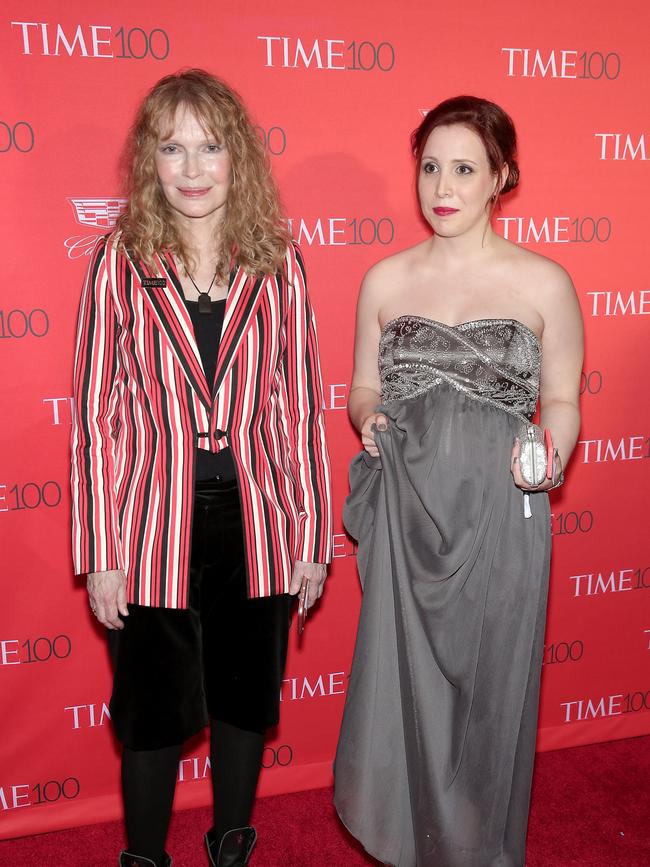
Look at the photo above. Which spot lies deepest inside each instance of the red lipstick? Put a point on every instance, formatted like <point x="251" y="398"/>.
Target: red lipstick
<point x="445" y="212"/>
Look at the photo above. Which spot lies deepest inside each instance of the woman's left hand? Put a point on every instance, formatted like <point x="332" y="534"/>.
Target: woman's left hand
<point x="515" y="469"/>
<point x="315" y="573"/>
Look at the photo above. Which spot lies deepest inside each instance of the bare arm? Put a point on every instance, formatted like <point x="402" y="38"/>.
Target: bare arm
<point x="562" y="356"/>
<point x="365" y="391"/>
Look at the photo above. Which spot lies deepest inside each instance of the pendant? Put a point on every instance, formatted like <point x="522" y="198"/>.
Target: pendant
<point x="205" y="303"/>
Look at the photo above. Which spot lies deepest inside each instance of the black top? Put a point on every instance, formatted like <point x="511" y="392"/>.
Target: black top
<point x="207" y="331"/>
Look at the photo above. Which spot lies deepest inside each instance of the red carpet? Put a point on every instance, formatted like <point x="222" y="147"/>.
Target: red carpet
<point x="591" y="808"/>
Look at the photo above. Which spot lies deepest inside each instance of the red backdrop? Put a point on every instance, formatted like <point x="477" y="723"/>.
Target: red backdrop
<point x="336" y="89"/>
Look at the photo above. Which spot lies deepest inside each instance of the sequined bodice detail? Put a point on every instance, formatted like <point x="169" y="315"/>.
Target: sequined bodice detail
<point x="493" y="360"/>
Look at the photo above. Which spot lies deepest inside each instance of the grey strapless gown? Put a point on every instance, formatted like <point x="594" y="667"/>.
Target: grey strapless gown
<point x="435" y="757"/>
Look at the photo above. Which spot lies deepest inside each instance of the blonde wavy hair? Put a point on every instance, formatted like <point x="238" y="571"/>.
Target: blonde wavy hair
<point x="253" y="233"/>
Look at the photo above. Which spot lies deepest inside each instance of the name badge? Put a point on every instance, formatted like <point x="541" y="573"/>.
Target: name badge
<point x="154" y="282"/>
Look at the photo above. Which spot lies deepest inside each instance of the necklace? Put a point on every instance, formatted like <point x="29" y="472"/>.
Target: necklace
<point x="205" y="302"/>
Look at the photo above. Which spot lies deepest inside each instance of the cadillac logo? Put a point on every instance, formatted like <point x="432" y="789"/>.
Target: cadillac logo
<point x="102" y="213"/>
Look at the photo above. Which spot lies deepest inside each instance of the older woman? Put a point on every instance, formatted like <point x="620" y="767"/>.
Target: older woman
<point x="458" y="338"/>
<point x="200" y="474"/>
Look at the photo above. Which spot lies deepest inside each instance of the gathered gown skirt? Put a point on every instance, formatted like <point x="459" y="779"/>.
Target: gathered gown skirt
<point x="436" y="752"/>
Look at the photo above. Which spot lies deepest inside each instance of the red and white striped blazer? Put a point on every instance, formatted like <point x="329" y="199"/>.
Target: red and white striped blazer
<point x="143" y="405"/>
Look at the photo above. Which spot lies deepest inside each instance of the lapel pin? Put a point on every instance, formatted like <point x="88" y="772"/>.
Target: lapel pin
<point x="154" y="282"/>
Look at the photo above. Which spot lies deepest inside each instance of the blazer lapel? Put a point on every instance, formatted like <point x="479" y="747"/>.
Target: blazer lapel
<point x="164" y="293"/>
<point x="241" y="304"/>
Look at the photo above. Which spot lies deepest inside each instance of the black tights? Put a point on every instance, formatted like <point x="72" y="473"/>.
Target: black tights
<point x="149" y="779"/>
<point x="236" y="758"/>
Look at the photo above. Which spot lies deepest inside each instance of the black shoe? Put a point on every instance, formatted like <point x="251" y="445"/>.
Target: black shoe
<point x="128" y="859"/>
<point x="233" y="850"/>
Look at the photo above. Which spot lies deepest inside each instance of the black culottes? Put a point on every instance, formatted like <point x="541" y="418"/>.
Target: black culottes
<point x="221" y="658"/>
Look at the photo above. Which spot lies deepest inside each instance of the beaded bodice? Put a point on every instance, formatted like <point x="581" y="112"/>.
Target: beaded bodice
<point x="496" y="361"/>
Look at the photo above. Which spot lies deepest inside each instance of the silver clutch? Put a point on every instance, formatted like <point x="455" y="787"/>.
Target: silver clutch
<point x="532" y="454"/>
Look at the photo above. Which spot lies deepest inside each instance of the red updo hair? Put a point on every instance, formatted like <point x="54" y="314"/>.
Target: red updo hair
<point x="491" y="124"/>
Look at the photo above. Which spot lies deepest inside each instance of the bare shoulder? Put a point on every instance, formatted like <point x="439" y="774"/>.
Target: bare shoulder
<point x="546" y="282"/>
<point x="388" y="275"/>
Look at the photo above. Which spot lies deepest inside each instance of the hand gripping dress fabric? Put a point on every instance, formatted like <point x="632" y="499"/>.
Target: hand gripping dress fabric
<point x="436" y="752"/>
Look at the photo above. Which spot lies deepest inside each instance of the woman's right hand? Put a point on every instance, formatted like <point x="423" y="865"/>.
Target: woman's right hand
<point x="368" y="435"/>
<point x="107" y="597"/>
